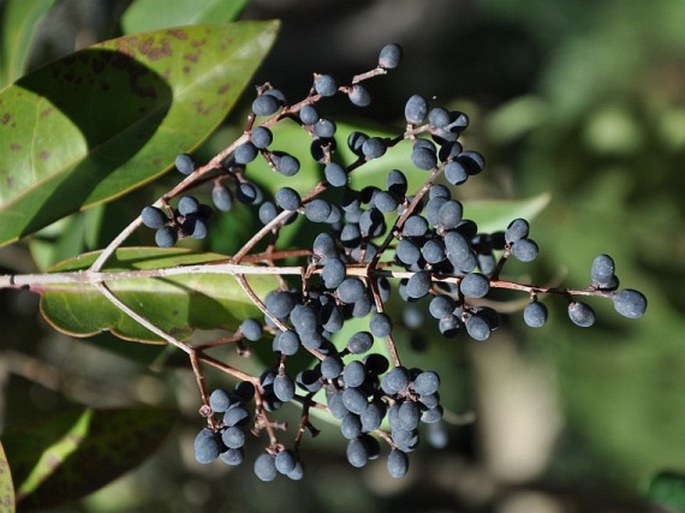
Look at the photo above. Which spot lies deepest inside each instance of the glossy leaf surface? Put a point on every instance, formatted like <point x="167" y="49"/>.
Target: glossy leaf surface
<point x="177" y="305"/>
<point x="94" y="125"/>
<point x="19" y="20"/>
<point x="144" y="15"/>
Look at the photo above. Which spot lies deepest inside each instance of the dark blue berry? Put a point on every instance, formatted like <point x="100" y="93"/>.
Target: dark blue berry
<point x="354" y="374"/>
<point x="153" y="217"/>
<point x="517" y="230"/>
<point x="415" y="226"/>
<point x="397" y="380"/>
<point x="166" y="237"/>
<point x="441" y="306"/>
<point x="207" y="446"/>
<point x="433" y="251"/>
<point x="359" y="95"/>
<point x="355" y="141"/>
<point x="416" y="109"/>
<point x="288" y="199"/>
<point x="233" y="457"/>
<point x="234" y="437"/>
<point x="602" y="272"/>
<point x="248" y="192"/>
<point x="474" y="285"/>
<point x="478" y="327"/>
<point x="287" y="342"/>
<point x="276" y="93"/>
<point x="426" y="383"/>
<point x="309" y="115"/>
<point x="524" y="250"/>
<point x="219" y="400"/>
<point x="630" y="303"/>
<point x="439" y="117"/>
<point x="419" y="284"/>
<point x="285" y="461"/>
<point x="455" y="173"/>
<point x="261" y="137"/>
<point x="286" y="164"/>
<point x="251" y="329"/>
<point x="351" y="290"/>
<point x="185" y="163"/>
<point x="188" y="205"/>
<point x="373" y="148"/>
<point x="424" y="158"/>
<point x="325" y="85"/>
<point x="284" y="388"/>
<point x="331" y="366"/>
<point x="357" y="453"/>
<point x="398" y="463"/>
<point x="335" y="174"/>
<point x="245" y="153"/>
<point x="407" y="252"/>
<point x="279" y="303"/>
<point x="473" y="161"/>
<point x="222" y="198"/>
<point x="535" y="314"/>
<point x="390" y="56"/>
<point x="265" y="467"/>
<point x="324" y="128"/>
<point x="581" y="314"/>
<point x="333" y="272"/>
<point x="265" y="105"/>
<point x="360" y="342"/>
<point x="317" y="210"/>
<point x="380" y="324"/>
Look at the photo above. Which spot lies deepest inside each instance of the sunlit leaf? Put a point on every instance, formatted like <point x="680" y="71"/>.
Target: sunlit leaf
<point x="178" y="305"/>
<point x="94" y="125"/>
<point x="70" y="455"/>
<point x="144" y="15"/>
<point x="7" y="504"/>
<point x="19" y="20"/>
<point x="493" y="215"/>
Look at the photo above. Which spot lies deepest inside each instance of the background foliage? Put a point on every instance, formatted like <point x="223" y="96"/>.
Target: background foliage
<point x="582" y="100"/>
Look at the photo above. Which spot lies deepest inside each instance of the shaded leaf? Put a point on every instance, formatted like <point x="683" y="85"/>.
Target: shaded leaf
<point x="177" y="305"/>
<point x="94" y="125"/>
<point x="7" y="504"/>
<point x="668" y="489"/>
<point x="72" y="454"/>
<point x="144" y="15"/>
<point x="19" y="20"/>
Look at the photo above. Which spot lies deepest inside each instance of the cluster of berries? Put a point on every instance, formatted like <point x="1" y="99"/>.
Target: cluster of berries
<point x="363" y="241"/>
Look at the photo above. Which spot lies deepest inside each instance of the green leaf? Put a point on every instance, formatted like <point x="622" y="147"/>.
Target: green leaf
<point x="144" y="15"/>
<point x="668" y="489"/>
<point x="494" y="215"/>
<point x="92" y="126"/>
<point x="18" y="20"/>
<point x="72" y="454"/>
<point x="7" y="504"/>
<point x="177" y="305"/>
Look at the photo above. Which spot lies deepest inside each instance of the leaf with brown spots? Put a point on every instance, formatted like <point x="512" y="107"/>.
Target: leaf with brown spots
<point x="92" y="126"/>
<point x="179" y="304"/>
<point x="70" y="455"/>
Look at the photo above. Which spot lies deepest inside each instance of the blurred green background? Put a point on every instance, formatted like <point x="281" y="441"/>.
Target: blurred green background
<point x="582" y="99"/>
